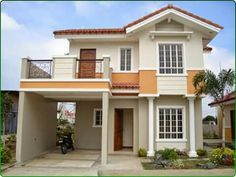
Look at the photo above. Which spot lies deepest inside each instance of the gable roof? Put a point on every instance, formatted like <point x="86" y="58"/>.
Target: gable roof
<point x="170" y="6"/>
<point x="123" y="29"/>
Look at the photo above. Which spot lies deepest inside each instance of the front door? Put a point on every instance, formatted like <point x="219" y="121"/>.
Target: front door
<point x="87" y="63"/>
<point x="232" y="113"/>
<point x="118" y="139"/>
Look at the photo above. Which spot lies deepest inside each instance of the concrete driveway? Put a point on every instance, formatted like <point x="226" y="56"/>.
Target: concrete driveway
<point x="74" y="163"/>
<point x="87" y="163"/>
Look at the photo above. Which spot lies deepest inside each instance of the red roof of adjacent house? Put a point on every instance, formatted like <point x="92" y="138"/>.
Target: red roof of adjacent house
<point x="207" y="49"/>
<point x="128" y="85"/>
<point x="228" y="97"/>
<point x="123" y="30"/>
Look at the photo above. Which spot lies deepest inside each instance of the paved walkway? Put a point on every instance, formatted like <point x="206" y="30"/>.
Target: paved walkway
<point x="87" y="163"/>
<point x="172" y="172"/>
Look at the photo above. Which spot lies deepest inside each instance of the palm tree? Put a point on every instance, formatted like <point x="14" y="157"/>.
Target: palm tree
<point x="206" y="82"/>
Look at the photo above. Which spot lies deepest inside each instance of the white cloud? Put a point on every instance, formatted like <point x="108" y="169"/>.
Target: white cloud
<point x="35" y="44"/>
<point x="152" y="6"/>
<point x="89" y="8"/>
<point x="83" y="7"/>
<point x="219" y="58"/>
<point x="8" y="23"/>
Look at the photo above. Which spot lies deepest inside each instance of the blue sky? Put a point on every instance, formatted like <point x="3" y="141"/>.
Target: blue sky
<point x="27" y="28"/>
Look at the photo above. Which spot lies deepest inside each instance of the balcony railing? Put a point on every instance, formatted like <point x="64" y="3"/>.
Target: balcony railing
<point x="40" y="69"/>
<point x="89" y="68"/>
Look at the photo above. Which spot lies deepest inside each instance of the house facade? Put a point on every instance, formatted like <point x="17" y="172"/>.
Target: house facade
<point x="132" y="87"/>
<point x="229" y="116"/>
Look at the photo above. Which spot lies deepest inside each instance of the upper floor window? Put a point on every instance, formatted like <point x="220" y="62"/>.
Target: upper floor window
<point x="125" y="59"/>
<point x="171" y="59"/>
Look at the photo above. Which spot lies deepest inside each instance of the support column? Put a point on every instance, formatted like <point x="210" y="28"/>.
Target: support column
<point x="192" y="152"/>
<point x="105" y="108"/>
<point x="106" y="66"/>
<point x="150" y="127"/>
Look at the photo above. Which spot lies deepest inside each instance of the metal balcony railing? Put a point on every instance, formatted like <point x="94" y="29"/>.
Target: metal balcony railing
<point x="40" y="69"/>
<point x="89" y="68"/>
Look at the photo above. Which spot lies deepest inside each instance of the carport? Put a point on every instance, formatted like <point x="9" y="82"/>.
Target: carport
<point x="37" y="121"/>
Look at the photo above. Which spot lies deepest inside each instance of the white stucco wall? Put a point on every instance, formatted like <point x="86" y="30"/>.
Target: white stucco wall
<point x="128" y="128"/>
<point x="87" y="136"/>
<point x="36" y="131"/>
<point x="64" y="67"/>
<point x="108" y="48"/>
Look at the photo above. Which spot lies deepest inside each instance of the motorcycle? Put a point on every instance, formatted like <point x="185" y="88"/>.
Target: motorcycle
<point x="66" y="143"/>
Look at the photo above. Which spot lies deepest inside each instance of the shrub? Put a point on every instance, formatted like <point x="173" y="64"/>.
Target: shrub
<point x="201" y="152"/>
<point x="181" y="153"/>
<point x="178" y="163"/>
<point x="6" y="155"/>
<point x="229" y="145"/>
<point x="142" y="152"/>
<point x="167" y="154"/>
<point x="224" y="156"/>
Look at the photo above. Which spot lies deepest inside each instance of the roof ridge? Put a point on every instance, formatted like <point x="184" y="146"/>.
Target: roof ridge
<point x="122" y="30"/>
<point x="171" y="6"/>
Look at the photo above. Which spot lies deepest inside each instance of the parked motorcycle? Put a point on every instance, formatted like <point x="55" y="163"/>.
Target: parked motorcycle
<point x="66" y="143"/>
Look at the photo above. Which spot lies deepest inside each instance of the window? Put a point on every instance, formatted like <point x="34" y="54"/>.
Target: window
<point x="97" y="118"/>
<point x="125" y="59"/>
<point x="170" y="123"/>
<point x="171" y="59"/>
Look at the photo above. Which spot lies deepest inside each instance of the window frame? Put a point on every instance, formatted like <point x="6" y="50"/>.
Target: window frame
<point x="94" y="117"/>
<point x="183" y="58"/>
<point x="131" y="58"/>
<point x="183" y="139"/>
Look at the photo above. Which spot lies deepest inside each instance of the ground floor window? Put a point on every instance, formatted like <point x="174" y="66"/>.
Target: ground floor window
<point x="97" y="118"/>
<point x="170" y="123"/>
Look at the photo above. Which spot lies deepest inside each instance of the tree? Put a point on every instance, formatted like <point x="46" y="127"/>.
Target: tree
<point x="206" y="82"/>
<point x="6" y="106"/>
<point x="209" y="118"/>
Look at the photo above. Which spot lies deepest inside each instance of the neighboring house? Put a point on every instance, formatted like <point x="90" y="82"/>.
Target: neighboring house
<point x="132" y="87"/>
<point x="229" y="116"/>
<point x="68" y="115"/>
<point x="11" y="118"/>
<point x="210" y="128"/>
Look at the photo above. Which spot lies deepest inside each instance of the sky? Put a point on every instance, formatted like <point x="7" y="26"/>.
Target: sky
<point x="26" y="30"/>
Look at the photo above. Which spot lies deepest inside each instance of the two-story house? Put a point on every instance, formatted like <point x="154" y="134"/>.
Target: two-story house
<point x="132" y="87"/>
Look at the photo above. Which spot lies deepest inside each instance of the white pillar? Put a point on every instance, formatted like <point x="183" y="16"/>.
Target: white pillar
<point x="192" y="152"/>
<point x="105" y="108"/>
<point x="150" y="127"/>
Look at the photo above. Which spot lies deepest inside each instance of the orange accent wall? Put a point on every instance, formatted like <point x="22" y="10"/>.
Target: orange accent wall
<point x="125" y="77"/>
<point x="48" y="84"/>
<point x="228" y="136"/>
<point x="147" y="82"/>
<point x="190" y="87"/>
<point x="97" y="75"/>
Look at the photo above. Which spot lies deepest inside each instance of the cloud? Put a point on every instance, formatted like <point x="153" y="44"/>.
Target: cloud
<point x="8" y="23"/>
<point x="219" y="58"/>
<point x="152" y="6"/>
<point x="33" y="43"/>
<point x="90" y="8"/>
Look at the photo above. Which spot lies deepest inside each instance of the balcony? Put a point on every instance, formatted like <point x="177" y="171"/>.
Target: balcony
<point x="39" y="69"/>
<point x="89" y="68"/>
<point x="66" y="67"/>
